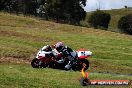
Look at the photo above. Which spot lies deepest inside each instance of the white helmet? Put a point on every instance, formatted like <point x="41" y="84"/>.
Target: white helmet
<point x="59" y="45"/>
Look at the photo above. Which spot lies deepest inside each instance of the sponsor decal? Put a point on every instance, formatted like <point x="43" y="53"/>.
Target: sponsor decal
<point x="85" y="80"/>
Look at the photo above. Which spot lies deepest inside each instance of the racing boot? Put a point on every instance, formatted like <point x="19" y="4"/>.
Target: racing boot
<point x="61" y="61"/>
<point x="70" y="64"/>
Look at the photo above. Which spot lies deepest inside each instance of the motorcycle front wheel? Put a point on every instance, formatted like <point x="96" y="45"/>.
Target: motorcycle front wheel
<point x="80" y="64"/>
<point x="86" y="63"/>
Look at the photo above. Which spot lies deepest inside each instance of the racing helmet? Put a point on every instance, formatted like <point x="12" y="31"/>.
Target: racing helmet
<point x="59" y="46"/>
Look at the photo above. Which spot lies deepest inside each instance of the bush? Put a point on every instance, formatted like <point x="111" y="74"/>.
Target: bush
<point x="125" y="24"/>
<point x="99" y="19"/>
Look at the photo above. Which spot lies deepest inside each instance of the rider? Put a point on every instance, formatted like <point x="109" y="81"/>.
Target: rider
<point x="46" y="48"/>
<point x="48" y="51"/>
<point x="66" y="52"/>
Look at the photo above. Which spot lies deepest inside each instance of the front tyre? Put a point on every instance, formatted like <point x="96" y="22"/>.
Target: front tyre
<point x="35" y="63"/>
<point x="85" y="63"/>
<point x="81" y="64"/>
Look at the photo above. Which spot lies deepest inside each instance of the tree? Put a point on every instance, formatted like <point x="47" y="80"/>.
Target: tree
<point x="74" y="10"/>
<point x="68" y="11"/>
<point x="41" y="7"/>
<point x="125" y="24"/>
<point x="4" y="4"/>
<point x="99" y="19"/>
<point x="30" y="7"/>
<point x="24" y="6"/>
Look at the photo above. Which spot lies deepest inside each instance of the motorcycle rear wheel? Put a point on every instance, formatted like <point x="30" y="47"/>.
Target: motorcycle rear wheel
<point x="35" y="63"/>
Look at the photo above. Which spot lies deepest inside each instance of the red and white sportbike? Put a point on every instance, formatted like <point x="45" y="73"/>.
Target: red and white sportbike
<point x="50" y="59"/>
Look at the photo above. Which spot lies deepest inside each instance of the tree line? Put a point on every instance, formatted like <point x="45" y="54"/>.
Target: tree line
<point x="67" y="11"/>
<point x="100" y="19"/>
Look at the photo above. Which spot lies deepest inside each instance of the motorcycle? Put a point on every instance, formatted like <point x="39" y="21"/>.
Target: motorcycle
<point x="50" y="59"/>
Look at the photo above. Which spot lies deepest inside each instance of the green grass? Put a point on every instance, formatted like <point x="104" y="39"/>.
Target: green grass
<point x="21" y="37"/>
<point x="23" y="76"/>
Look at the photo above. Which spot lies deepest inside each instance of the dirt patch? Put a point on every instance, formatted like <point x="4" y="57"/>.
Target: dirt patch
<point x="14" y="60"/>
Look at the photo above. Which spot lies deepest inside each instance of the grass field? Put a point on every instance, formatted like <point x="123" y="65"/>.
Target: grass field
<point x="21" y="37"/>
<point x="23" y="76"/>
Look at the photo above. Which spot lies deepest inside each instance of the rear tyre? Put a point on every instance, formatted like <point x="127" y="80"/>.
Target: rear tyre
<point x="43" y="65"/>
<point x="35" y="63"/>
